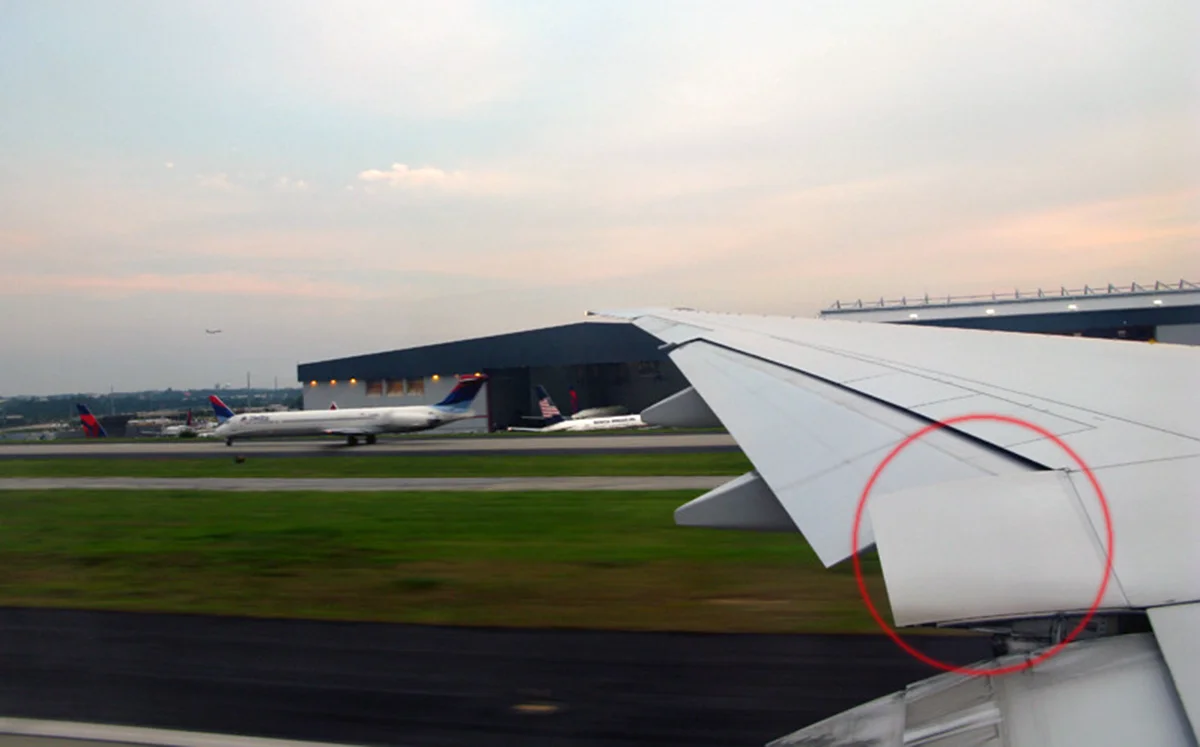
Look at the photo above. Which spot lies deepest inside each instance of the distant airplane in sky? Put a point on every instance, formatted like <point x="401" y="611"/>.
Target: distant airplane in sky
<point x="212" y="331"/>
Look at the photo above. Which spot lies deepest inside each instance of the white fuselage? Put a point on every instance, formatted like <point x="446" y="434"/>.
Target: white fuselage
<point x="351" y="421"/>
<point x="591" y="424"/>
<point x="202" y="431"/>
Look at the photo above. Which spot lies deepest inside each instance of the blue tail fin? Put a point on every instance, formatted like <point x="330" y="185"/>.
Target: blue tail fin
<point x="550" y="412"/>
<point x="463" y="394"/>
<point x="91" y="426"/>
<point x="221" y="409"/>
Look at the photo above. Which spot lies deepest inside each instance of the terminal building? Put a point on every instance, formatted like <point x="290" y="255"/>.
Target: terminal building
<point x="600" y="364"/>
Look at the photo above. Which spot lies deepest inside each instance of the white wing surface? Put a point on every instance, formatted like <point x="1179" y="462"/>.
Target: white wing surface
<point x="979" y="520"/>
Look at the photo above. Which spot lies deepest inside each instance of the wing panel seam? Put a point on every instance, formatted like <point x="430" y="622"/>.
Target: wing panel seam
<point x="890" y="405"/>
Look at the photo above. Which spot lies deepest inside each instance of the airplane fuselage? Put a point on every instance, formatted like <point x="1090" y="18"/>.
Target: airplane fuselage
<point x="353" y="421"/>
<point x="591" y="424"/>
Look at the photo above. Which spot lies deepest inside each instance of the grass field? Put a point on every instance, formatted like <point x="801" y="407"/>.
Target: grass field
<point x="612" y="560"/>
<point x="414" y="465"/>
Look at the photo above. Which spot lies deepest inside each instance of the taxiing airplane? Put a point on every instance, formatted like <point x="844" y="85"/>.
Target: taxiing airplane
<point x="1040" y="489"/>
<point x="91" y="426"/>
<point x="351" y="422"/>
<point x="555" y="422"/>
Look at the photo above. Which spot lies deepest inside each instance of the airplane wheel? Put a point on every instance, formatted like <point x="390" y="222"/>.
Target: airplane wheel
<point x="229" y="442"/>
<point x="370" y="439"/>
<point x="352" y="441"/>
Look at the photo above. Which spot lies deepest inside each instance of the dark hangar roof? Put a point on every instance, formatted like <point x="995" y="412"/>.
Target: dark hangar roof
<point x="582" y="343"/>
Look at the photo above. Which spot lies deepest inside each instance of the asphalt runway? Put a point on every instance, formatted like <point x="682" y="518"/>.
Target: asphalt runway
<point x="416" y="686"/>
<point x="344" y="484"/>
<point x="399" y="446"/>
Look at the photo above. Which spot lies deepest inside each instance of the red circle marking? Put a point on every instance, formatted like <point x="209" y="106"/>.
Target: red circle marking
<point x="862" y="503"/>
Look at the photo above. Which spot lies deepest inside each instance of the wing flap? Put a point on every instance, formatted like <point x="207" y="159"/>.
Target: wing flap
<point x="989" y="548"/>
<point x="684" y="409"/>
<point x="744" y="503"/>
<point x="1177" y="629"/>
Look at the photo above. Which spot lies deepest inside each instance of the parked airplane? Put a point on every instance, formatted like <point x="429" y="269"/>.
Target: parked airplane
<point x="91" y="426"/>
<point x="351" y="422"/>
<point x="555" y="422"/>
<point x="980" y="523"/>
<point x="178" y="431"/>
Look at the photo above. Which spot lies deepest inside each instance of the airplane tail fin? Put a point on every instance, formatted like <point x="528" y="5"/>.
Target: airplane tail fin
<point x="91" y="426"/>
<point x="221" y="409"/>
<point x="550" y="412"/>
<point x="189" y="418"/>
<point x="463" y="394"/>
<point x="333" y="405"/>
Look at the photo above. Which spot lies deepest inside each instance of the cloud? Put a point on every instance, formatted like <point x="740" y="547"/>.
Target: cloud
<point x="219" y="182"/>
<point x="169" y="165"/>
<point x="287" y="184"/>
<point x="402" y="176"/>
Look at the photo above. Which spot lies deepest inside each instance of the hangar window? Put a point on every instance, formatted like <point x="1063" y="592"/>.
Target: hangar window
<point x="395" y="388"/>
<point x="415" y="387"/>
<point x="374" y="387"/>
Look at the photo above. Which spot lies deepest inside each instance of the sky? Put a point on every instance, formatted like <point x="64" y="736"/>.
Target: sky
<point x="322" y="179"/>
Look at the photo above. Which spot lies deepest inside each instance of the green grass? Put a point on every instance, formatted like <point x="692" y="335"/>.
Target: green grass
<point x="414" y="465"/>
<point x="611" y="560"/>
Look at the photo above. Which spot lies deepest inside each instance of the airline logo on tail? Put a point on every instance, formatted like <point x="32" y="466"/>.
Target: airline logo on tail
<point x="549" y="410"/>
<point x="91" y="426"/>
<point x="462" y="395"/>
<point x="221" y="409"/>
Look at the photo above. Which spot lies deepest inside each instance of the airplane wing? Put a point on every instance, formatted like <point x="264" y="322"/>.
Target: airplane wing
<point x="979" y="520"/>
<point x="357" y="431"/>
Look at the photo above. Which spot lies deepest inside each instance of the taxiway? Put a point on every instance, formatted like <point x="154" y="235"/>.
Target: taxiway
<point x="399" y="446"/>
<point x="361" y="484"/>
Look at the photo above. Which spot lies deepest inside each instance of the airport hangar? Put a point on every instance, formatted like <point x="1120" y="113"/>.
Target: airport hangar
<point x="615" y="363"/>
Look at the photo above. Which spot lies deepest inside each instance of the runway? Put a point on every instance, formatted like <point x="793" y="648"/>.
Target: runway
<point x="416" y="686"/>
<point x="360" y="484"/>
<point x="398" y="446"/>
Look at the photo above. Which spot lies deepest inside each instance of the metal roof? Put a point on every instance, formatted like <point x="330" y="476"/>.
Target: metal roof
<point x="1040" y="294"/>
<point x="1041" y="311"/>
<point x="582" y="343"/>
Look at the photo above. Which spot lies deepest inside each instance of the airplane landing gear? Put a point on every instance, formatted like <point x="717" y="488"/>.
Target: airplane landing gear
<point x="352" y="440"/>
<point x="229" y="442"/>
<point x="370" y="439"/>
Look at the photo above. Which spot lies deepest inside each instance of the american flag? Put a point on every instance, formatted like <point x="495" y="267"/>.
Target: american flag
<point x="548" y="408"/>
